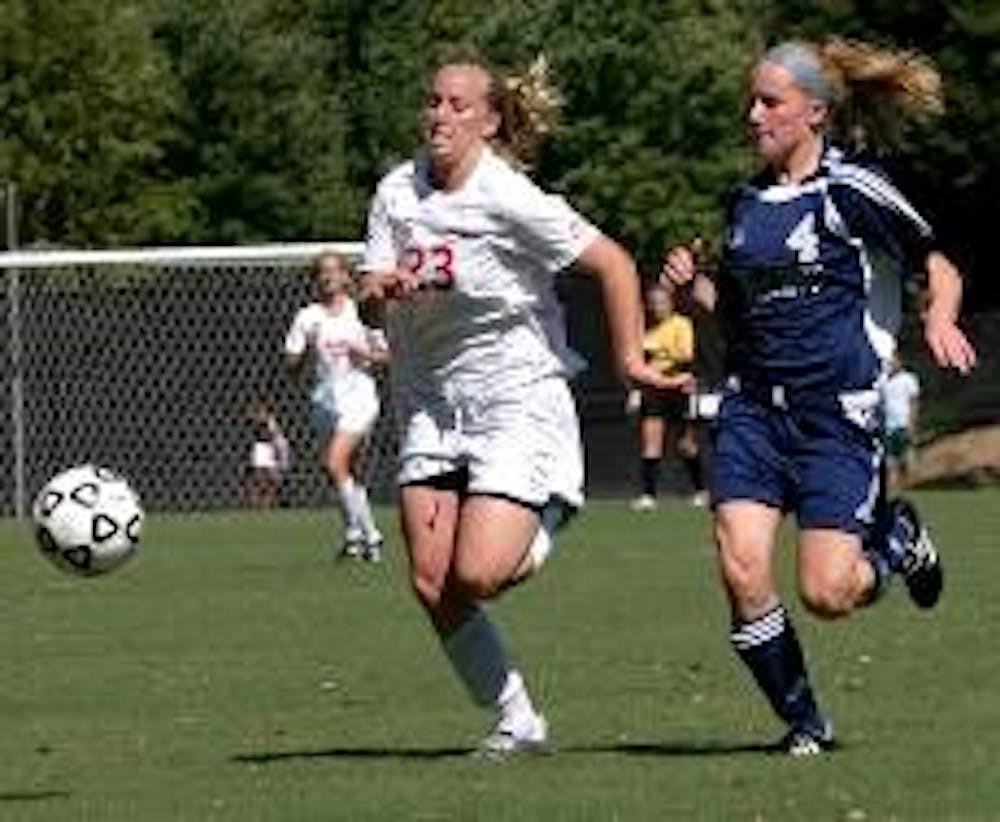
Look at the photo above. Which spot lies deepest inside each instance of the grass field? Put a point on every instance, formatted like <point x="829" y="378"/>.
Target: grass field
<point x="235" y="671"/>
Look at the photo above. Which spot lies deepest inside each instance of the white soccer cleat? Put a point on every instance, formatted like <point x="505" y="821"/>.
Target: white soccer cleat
<point x="643" y="503"/>
<point x="350" y="550"/>
<point x="372" y="551"/>
<point x="801" y="742"/>
<point x="509" y="738"/>
<point x="700" y="499"/>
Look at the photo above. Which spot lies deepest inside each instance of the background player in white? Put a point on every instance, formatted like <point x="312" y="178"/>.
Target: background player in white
<point x="464" y="248"/>
<point x="900" y="410"/>
<point x="345" y="402"/>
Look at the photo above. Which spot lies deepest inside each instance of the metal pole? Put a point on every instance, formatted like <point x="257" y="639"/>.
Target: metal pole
<point x="16" y="352"/>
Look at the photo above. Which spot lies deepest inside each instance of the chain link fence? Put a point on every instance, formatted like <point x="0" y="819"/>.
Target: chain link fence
<point x="151" y="362"/>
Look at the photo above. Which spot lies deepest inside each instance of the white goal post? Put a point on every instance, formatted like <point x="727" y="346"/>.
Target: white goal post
<point x="150" y="360"/>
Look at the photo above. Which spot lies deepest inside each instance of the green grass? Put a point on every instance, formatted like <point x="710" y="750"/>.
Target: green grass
<point x="234" y="671"/>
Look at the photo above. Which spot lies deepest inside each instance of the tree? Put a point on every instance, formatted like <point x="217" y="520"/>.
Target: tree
<point x="263" y="125"/>
<point x="87" y="102"/>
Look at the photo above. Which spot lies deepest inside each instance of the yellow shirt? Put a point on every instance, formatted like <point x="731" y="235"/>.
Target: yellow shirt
<point x="670" y="344"/>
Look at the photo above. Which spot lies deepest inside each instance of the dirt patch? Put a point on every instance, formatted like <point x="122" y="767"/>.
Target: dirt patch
<point x="972" y="456"/>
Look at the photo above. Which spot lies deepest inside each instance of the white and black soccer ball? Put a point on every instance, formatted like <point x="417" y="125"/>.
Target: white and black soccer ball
<point x="87" y="520"/>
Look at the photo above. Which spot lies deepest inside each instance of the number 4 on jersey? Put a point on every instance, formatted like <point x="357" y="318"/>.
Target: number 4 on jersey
<point x="804" y="240"/>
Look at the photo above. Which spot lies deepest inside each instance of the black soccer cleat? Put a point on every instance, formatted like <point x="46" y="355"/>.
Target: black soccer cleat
<point x="922" y="571"/>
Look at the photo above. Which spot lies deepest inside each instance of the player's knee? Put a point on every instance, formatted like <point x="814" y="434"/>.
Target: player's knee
<point x="743" y="573"/>
<point x="477" y="583"/>
<point x="828" y="597"/>
<point x="428" y="587"/>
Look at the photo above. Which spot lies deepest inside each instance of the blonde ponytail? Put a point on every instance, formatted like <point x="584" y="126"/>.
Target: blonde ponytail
<point x="529" y="105"/>
<point x="882" y="89"/>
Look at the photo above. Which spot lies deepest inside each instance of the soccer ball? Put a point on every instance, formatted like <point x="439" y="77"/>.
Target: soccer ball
<point x="87" y="520"/>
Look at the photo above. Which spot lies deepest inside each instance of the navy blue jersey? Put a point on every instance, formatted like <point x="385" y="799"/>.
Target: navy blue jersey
<point x="810" y="280"/>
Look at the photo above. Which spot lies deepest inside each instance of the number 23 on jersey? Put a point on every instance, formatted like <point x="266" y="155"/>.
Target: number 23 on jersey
<point x="433" y="265"/>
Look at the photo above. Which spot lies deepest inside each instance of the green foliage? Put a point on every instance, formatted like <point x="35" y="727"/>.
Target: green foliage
<point x="88" y="102"/>
<point x="263" y="126"/>
<point x="651" y="139"/>
<point x="238" y="120"/>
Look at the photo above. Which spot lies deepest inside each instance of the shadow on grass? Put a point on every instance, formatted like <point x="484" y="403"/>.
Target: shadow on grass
<point x="266" y="757"/>
<point x="678" y="749"/>
<point x="675" y="749"/>
<point x="32" y="796"/>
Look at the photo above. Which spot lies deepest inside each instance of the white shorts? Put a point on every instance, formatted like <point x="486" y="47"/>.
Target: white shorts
<point x="264" y="455"/>
<point x="524" y="445"/>
<point x="353" y="412"/>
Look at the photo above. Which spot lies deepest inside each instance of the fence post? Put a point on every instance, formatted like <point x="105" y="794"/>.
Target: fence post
<point x="16" y="364"/>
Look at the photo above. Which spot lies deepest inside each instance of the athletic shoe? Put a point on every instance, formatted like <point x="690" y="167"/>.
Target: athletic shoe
<point x="808" y="741"/>
<point x="508" y="739"/>
<point x="350" y="550"/>
<point x="373" y="551"/>
<point x="643" y="503"/>
<point x="700" y="499"/>
<point x="922" y="571"/>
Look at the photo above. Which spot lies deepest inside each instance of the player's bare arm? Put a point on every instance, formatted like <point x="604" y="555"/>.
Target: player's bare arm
<point x="946" y="341"/>
<point x="611" y="264"/>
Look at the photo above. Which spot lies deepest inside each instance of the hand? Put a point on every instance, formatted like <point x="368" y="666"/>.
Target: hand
<point x="640" y="372"/>
<point x="360" y="355"/>
<point x="948" y="345"/>
<point x="388" y="284"/>
<point x="679" y="267"/>
<point x="687" y="383"/>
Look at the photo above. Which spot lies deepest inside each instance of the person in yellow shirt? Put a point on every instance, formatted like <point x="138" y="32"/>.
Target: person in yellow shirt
<point x="663" y="413"/>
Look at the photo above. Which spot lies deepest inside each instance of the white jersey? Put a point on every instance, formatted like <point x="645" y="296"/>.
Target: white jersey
<point x="487" y="319"/>
<point x="332" y="335"/>
<point x="898" y="393"/>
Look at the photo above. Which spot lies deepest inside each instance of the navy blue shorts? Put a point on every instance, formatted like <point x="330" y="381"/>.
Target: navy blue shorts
<point x="812" y="460"/>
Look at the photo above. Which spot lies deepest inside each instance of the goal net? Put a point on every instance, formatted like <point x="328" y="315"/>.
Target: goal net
<point x="153" y="361"/>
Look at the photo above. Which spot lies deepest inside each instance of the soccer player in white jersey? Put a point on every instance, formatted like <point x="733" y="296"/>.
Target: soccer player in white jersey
<point x="345" y="403"/>
<point x="810" y="243"/>
<point x="463" y="248"/>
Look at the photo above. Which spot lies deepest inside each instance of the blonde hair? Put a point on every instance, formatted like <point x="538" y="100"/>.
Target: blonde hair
<point x="527" y="102"/>
<point x="872" y="91"/>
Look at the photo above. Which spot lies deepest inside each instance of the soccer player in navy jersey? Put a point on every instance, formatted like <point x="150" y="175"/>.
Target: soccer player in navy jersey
<point x="809" y="289"/>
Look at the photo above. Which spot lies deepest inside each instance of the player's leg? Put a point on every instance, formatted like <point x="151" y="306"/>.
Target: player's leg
<point x="762" y="632"/>
<point x="452" y="599"/>
<point x="651" y="437"/>
<point x="429" y="518"/>
<point x="843" y="489"/>
<point x="338" y="457"/>
<point x="525" y="471"/>
<point x="493" y="537"/>
<point x="357" y="417"/>
<point x="749" y="482"/>
<point x="835" y="576"/>
<point x="689" y="453"/>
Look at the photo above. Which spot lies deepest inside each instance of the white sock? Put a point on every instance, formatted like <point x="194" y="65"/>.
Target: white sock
<point x="365" y="517"/>
<point x="516" y="707"/>
<point x="353" y="529"/>
<point x="478" y="658"/>
<point x="552" y="518"/>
